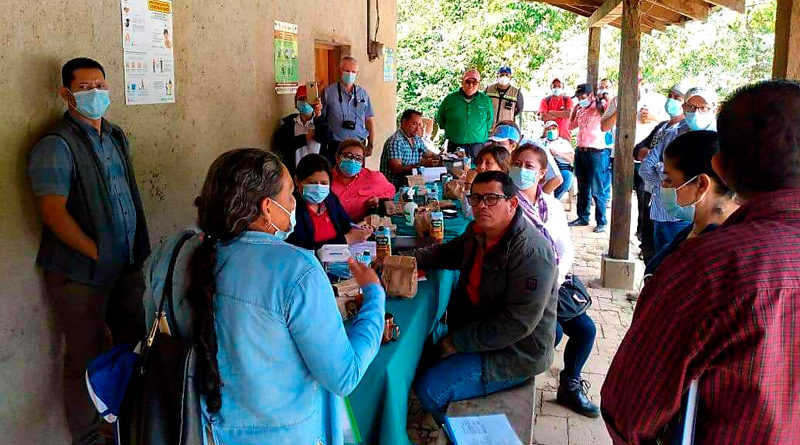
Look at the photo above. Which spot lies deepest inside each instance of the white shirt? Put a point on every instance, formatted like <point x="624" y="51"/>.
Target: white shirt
<point x="655" y="108"/>
<point x="558" y="230"/>
<point x="300" y="129"/>
<point x="559" y="145"/>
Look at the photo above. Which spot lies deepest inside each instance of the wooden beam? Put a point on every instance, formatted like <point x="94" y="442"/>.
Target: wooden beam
<point x="619" y="247"/>
<point x="606" y="13"/>
<point x="660" y="13"/>
<point x="736" y="5"/>
<point x="593" y="58"/>
<point x="691" y="9"/>
<point x="786" y="63"/>
<point x="653" y="23"/>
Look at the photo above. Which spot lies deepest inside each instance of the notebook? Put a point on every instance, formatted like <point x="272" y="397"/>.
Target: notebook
<point x="481" y="430"/>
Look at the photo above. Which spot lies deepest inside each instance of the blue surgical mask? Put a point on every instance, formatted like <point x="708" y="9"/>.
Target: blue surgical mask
<point x="350" y="167"/>
<point x="93" y="103"/>
<point x="348" y="78"/>
<point x="699" y="121"/>
<point x="669" y="200"/>
<point x="523" y="178"/>
<point x="552" y="135"/>
<point x="304" y="108"/>
<point x="584" y="103"/>
<point x="281" y="234"/>
<point x="315" y="193"/>
<point x="557" y="91"/>
<point x="673" y="107"/>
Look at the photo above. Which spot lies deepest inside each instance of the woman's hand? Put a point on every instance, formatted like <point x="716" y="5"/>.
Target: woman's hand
<point x="362" y="273"/>
<point x="355" y="236"/>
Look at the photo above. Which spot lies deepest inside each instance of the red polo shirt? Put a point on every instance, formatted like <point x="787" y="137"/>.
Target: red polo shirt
<point x="476" y="272"/>
<point x="324" y="230"/>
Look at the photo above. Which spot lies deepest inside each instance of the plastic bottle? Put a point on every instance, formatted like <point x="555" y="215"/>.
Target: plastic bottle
<point x="437" y="227"/>
<point x="383" y="242"/>
<point x="366" y="257"/>
<point x="409" y="211"/>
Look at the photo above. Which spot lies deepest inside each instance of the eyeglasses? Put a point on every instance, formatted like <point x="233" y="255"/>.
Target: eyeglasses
<point x="471" y="82"/>
<point x="352" y="157"/>
<point x="490" y="199"/>
<point x="696" y="108"/>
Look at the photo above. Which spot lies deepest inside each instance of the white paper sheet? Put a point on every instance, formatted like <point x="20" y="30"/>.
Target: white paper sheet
<point x="481" y="430"/>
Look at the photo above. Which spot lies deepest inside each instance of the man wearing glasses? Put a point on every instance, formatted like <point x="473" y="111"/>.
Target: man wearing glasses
<point x="94" y="235"/>
<point x="466" y="116"/>
<point x="699" y="113"/>
<point x="501" y="317"/>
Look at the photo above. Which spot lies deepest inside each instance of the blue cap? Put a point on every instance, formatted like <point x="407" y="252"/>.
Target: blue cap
<point x="505" y="133"/>
<point x="504" y="70"/>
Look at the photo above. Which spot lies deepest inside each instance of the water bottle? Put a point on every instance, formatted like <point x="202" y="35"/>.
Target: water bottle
<point x="408" y="211"/>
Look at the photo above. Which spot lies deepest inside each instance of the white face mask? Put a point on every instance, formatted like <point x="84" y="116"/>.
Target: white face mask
<point x="504" y="80"/>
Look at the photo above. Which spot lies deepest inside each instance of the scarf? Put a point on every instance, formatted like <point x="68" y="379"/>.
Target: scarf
<point x="537" y="214"/>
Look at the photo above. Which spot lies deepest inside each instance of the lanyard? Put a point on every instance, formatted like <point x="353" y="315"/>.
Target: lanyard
<point x="355" y="96"/>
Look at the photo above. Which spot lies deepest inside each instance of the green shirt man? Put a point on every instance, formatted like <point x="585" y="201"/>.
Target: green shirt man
<point x="466" y="115"/>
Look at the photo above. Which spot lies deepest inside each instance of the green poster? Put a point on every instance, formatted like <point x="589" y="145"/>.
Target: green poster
<point x="286" y="61"/>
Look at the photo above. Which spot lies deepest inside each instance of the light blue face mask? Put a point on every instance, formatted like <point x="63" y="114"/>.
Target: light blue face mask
<point x="523" y="178"/>
<point x="552" y="135"/>
<point x="673" y="107"/>
<point x="584" y="103"/>
<point x="304" y="108"/>
<point x="280" y="234"/>
<point x="699" y="121"/>
<point x="93" y="103"/>
<point x="669" y="200"/>
<point x="557" y="92"/>
<point x="350" y="167"/>
<point x="315" y="193"/>
<point x="349" y="78"/>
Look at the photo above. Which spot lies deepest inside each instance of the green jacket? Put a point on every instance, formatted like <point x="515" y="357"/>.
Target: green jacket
<point x="466" y="122"/>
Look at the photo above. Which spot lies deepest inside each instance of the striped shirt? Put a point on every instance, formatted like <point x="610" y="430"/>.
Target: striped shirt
<point x="724" y="309"/>
<point x="408" y="151"/>
<point x="652" y="167"/>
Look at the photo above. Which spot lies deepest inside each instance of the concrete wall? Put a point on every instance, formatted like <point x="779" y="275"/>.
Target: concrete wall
<point x="225" y="99"/>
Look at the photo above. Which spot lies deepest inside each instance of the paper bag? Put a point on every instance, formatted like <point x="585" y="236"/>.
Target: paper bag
<point x="454" y="189"/>
<point x="399" y="276"/>
<point x="422" y="222"/>
<point x="348" y="298"/>
<point x="446" y="204"/>
<point x="415" y="181"/>
<point x="392" y="208"/>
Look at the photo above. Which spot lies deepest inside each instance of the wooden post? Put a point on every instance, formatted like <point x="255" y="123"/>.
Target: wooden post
<point x="626" y="130"/>
<point x="786" y="64"/>
<point x="593" y="65"/>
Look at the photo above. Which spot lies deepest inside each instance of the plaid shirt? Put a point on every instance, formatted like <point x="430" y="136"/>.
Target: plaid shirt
<point x="399" y="147"/>
<point x="724" y="309"/>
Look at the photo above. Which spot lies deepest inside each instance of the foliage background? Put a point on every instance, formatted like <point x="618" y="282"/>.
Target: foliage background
<point x="438" y="39"/>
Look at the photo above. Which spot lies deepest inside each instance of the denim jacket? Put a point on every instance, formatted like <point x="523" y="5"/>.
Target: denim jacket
<point x="284" y="356"/>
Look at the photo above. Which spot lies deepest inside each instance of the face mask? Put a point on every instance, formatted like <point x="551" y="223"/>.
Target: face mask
<point x="557" y="91"/>
<point x="699" y="121"/>
<point x="552" y="135"/>
<point x="601" y="92"/>
<point x="584" y="103"/>
<point x="523" y="178"/>
<point x="304" y="108"/>
<point x="93" y="103"/>
<point x="504" y="81"/>
<point x="315" y="193"/>
<point x="280" y="234"/>
<point x="673" y="107"/>
<point x="669" y="200"/>
<point x="348" y="78"/>
<point x="350" y="167"/>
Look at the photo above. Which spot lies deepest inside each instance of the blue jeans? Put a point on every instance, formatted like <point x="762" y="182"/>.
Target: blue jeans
<point x="593" y="172"/>
<point x="565" y="186"/>
<point x="581" y="331"/>
<point x="458" y="377"/>
<point x="665" y="231"/>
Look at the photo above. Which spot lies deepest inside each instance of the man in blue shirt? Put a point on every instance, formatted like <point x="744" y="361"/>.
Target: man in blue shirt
<point x="405" y="150"/>
<point x="348" y="110"/>
<point x="94" y="234"/>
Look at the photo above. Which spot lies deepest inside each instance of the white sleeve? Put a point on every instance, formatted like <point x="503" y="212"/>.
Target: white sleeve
<point x="559" y="230"/>
<point x="552" y="167"/>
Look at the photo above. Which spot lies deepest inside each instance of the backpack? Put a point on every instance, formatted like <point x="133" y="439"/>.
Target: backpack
<point x="573" y="299"/>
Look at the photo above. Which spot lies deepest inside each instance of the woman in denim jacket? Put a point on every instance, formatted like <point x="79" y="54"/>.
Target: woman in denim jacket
<point x="273" y="354"/>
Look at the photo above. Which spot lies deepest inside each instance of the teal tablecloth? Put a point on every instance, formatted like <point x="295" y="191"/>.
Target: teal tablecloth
<point x="452" y="227"/>
<point x="380" y="402"/>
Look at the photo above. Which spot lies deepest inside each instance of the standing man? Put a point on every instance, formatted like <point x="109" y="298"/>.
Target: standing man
<point x="405" y="150"/>
<point x="94" y="234"/>
<point x="507" y="100"/>
<point x="724" y="309"/>
<point x="557" y="107"/>
<point x="466" y="116"/>
<point x="592" y="159"/>
<point x="348" y="110"/>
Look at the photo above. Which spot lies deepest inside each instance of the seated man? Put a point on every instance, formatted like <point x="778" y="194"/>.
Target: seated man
<point x="563" y="153"/>
<point x="502" y="314"/>
<point x="301" y="133"/>
<point x="405" y="150"/>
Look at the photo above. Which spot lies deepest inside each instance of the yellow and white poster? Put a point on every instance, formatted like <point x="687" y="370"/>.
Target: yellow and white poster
<point x="148" y="57"/>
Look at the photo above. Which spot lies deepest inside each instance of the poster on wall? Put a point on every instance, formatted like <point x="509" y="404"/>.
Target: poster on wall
<point x="388" y="65"/>
<point x="287" y="64"/>
<point x="147" y="51"/>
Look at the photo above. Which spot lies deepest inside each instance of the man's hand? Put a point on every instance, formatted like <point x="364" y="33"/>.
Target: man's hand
<point x="310" y="135"/>
<point x="373" y="202"/>
<point x="446" y="347"/>
<point x="368" y="151"/>
<point x="428" y="162"/>
<point x="318" y="108"/>
<point x="53" y="210"/>
<point x="642" y="154"/>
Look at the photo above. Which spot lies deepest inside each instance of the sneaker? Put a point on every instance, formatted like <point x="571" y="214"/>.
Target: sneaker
<point x="572" y="394"/>
<point x="600" y="229"/>
<point x="578" y="222"/>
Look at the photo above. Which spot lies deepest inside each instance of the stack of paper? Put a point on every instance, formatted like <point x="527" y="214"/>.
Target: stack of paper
<point x="481" y="430"/>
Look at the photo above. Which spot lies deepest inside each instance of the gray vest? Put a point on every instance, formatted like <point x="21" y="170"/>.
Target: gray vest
<point x="89" y="204"/>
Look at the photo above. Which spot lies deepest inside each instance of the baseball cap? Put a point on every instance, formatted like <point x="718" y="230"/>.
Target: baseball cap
<point x="504" y="70"/>
<point x="301" y="91"/>
<point x="472" y="74"/>
<point x="678" y="88"/>
<point x="583" y="88"/>
<point x="505" y="133"/>
<point x="709" y="95"/>
<point x="550" y="124"/>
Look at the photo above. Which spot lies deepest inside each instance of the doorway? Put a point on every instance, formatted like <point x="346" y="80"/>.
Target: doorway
<point x="326" y="63"/>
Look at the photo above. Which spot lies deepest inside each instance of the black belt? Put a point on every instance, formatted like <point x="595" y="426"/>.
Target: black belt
<point x="589" y="149"/>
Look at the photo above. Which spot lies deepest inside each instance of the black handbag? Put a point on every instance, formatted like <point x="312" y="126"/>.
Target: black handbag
<point x="573" y="299"/>
<point x="161" y="405"/>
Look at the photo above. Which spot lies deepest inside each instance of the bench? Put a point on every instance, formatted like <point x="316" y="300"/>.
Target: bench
<point x="516" y="403"/>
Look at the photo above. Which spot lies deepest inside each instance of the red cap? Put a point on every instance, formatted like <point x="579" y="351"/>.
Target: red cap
<point x="301" y="91"/>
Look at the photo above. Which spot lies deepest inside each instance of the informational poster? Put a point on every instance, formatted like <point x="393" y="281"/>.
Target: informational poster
<point x="287" y="64"/>
<point x="388" y="65"/>
<point x="148" y="57"/>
